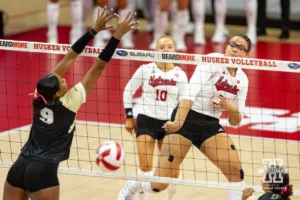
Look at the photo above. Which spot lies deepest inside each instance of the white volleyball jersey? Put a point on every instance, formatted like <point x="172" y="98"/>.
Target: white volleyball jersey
<point x="161" y="90"/>
<point x="209" y="81"/>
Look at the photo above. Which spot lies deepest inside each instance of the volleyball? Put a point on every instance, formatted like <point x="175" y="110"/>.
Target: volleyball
<point x="110" y="156"/>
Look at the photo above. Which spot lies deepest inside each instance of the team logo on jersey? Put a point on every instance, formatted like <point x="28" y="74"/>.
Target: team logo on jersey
<point x="122" y="53"/>
<point x="223" y="85"/>
<point x="160" y="81"/>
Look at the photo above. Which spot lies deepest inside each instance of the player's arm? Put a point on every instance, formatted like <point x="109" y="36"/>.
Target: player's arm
<point x="236" y="114"/>
<point x="95" y="72"/>
<point x="81" y="43"/>
<point x="190" y="92"/>
<point x="131" y="87"/>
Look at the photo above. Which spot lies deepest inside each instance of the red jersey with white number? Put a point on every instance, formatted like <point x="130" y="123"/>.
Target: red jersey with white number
<point x="209" y="81"/>
<point x="161" y="90"/>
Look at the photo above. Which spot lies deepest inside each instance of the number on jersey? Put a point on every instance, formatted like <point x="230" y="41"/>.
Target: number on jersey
<point x="161" y="95"/>
<point x="47" y="116"/>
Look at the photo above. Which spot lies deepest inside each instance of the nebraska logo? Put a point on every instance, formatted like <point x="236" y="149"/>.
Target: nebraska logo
<point x="225" y="86"/>
<point x="186" y="57"/>
<point x="160" y="81"/>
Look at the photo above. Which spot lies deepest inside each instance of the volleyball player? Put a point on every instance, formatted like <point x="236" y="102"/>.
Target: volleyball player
<point x="53" y="8"/>
<point x="163" y="85"/>
<point x="124" y="6"/>
<point x="34" y="174"/>
<point x="196" y="122"/>
<point x="276" y="184"/>
<point x="181" y="19"/>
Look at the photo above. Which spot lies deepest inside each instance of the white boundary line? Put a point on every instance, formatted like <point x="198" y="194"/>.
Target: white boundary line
<point x="150" y="56"/>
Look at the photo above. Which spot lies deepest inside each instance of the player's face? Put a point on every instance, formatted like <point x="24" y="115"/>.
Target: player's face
<point x="237" y="47"/>
<point x="63" y="86"/>
<point x="165" y="44"/>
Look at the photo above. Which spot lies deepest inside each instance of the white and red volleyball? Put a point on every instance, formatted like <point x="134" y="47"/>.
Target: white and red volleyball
<point x="110" y="156"/>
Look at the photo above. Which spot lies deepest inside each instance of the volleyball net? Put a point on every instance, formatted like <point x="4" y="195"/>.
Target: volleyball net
<point x="268" y="134"/>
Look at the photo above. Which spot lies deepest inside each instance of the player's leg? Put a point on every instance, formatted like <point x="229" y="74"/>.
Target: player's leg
<point x="52" y="20"/>
<point x="171" y="190"/>
<point x="285" y="19"/>
<point x="145" y="149"/>
<point x="51" y="193"/>
<point x="198" y="10"/>
<point x="251" y="15"/>
<point x="77" y="20"/>
<point x="14" y="188"/>
<point x="180" y="24"/>
<point x="220" y="150"/>
<point x="160" y="20"/>
<point x="220" y="15"/>
<point x="87" y="7"/>
<point x="174" y="149"/>
<point x="124" y="7"/>
<point x="102" y="35"/>
<point x="14" y="193"/>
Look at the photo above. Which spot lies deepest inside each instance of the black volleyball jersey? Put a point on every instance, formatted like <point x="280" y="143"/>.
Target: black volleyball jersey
<point x="266" y="196"/>
<point x="53" y="128"/>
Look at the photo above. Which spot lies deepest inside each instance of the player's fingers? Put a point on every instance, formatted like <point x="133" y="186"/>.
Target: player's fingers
<point x="131" y="18"/>
<point x="108" y="13"/>
<point x="135" y="28"/>
<point x="101" y="13"/>
<point x="134" y="23"/>
<point x="109" y="27"/>
<point x="127" y="16"/>
<point x="118" y="17"/>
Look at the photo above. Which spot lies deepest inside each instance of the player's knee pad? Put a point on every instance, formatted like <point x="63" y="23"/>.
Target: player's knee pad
<point x="171" y="158"/>
<point x="156" y="190"/>
<point x="241" y="174"/>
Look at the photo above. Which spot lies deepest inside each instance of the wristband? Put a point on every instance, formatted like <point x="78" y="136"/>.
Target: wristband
<point x="129" y="113"/>
<point x="81" y="43"/>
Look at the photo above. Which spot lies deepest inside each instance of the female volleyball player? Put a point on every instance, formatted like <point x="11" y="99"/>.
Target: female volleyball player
<point x="276" y="184"/>
<point x="163" y="84"/>
<point x="34" y="174"/>
<point x="196" y="121"/>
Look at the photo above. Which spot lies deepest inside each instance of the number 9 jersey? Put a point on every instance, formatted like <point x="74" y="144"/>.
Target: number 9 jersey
<point x="53" y="127"/>
<point x="161" y="90"/>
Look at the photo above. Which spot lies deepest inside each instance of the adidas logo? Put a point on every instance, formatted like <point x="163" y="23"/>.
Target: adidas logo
<point x="221" y="129"/>
<point x="129" y="113"/>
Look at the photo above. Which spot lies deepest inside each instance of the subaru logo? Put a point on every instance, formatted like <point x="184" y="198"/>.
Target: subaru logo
<point x="294" y="65"/>
<point x="122" y="53"/>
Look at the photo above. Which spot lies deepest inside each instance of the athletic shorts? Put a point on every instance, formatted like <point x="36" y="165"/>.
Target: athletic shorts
<point x="150" y="126"/>
<point x="33" y="175"/>
<point x="198" y="127"/>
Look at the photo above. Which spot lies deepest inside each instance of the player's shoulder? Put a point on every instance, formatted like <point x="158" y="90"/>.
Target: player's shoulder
<point x="242" y="75"/>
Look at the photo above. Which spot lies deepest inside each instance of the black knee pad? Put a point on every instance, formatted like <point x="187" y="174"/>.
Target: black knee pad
<point x="232" y="147"/>
<point x="171" y="158"/>
<point x="242" y="174"/>
<point x="156" y="190"/>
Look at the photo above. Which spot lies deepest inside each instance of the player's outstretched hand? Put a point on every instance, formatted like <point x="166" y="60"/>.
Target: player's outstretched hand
<point x="126" y="25"/>
<point x="102" y="18"/>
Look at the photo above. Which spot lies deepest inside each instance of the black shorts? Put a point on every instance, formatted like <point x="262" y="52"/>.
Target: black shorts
<point x="33" y="175"/>
<point x="150" y="126"/>
<point x="198" y="127"/>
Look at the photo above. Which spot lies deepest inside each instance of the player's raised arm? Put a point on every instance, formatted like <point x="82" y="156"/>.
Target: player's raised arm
<point x="80" y="44"/>
<point x="94" y="73"/>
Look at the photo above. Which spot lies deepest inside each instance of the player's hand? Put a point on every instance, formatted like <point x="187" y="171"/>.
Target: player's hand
<point x="171" y="127"/>
<point x="126" y="25"/>
<point x="225" y="104"/>
<point x="130" y="126"/>
<point x="247" y="193"/>
<point x="102" y="18"/>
